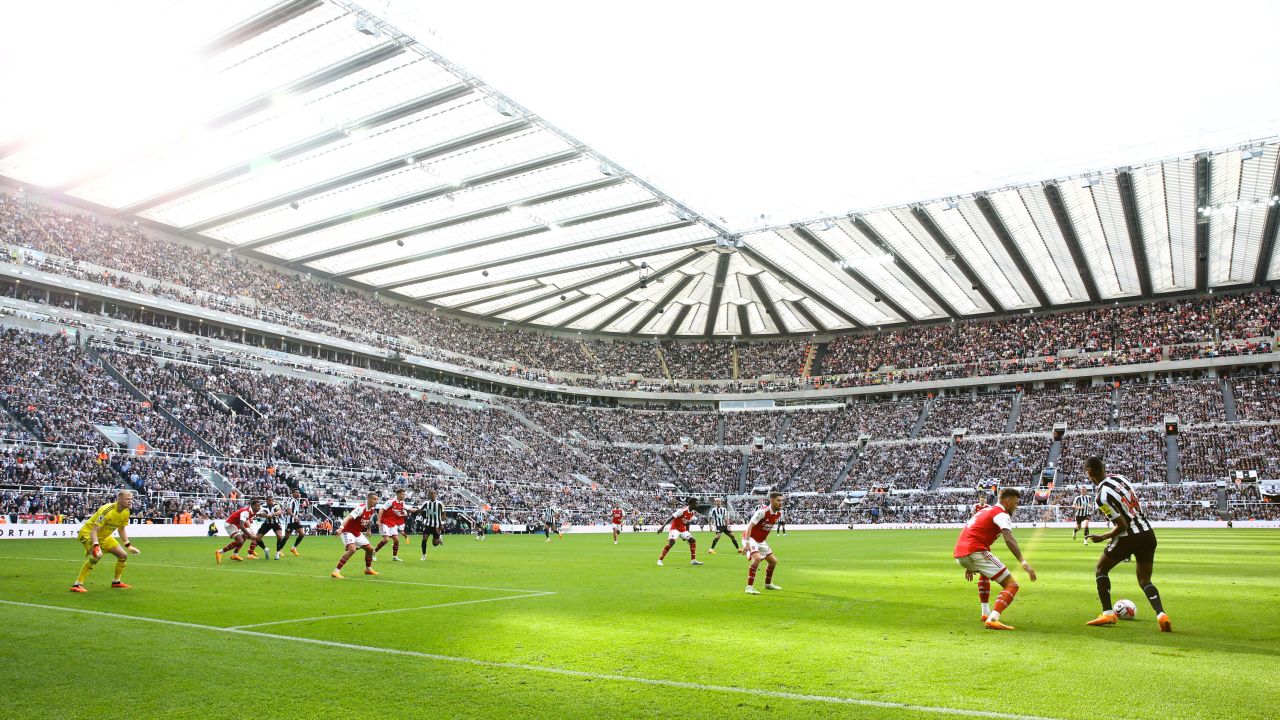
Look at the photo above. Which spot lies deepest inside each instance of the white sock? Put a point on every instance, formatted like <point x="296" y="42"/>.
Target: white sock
<point x="993" y="617"/>
<point x="986" y="608"/>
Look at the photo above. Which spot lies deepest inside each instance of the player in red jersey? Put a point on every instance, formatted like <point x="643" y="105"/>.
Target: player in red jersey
<point x="973" y="553"/>
<point x="679" y="523"/>
<point x="616" y="516"/>
<point x="352" y="532"/>
<point x="755" y="543"/>
<point x="391" y="518"/>
<point x="238" y="529"/>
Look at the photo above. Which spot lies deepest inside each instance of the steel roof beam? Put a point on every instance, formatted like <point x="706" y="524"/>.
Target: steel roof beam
<point x="501" y="295"/>
<point x="862" y="280"/>
<point x="1054" y="196"/>
<point x="547" y="311"/>
<point x="539" y="273"/>
<point x="680" y="316"/>
<point x="949" y="250"/>
<point x="661" y="304"/>
<point x="303" y="146"/>
<point x="1202" y="223"/>
<point x="626" y="308"/>
<point x="1137" y="241"/>
<point x="804" y="287"/>
<point x="552" y="251"/>
<point x="865" y="228"/>
<point x="744" y="321"/>
<point x="416" y="229"/>
<point x="770" y="308"/>
<point x="808" y="315"/>
<point x="471" y="245"/>
<point x="622" y="292"/>
<point x="268" y="19"/>
<point x="561" y="291"/>
<point x="992" y="216"/>
<point x="717" y="291"/>
<point x="1269" y="230"/>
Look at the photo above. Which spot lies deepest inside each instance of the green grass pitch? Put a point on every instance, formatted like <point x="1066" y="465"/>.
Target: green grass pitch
<point x="580" y="628"/>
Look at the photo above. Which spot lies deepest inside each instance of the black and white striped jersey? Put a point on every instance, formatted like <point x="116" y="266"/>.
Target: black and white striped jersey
<point x="1116" y="498"/>
<point x="433" y="513"/>
<point x="293" y="508"/>
<point x="549" y="516"/>
<point x="718" y="516"/>
<point x="1082" y="505"/>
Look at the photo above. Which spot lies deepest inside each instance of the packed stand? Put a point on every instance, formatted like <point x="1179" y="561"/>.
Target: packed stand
<point x="1144" y="405"/>
<point x="1013" y="461"/>
<point x="982" y="415"/>
<point x="1257" y="397"/>
<point x="897" y="465"/>
<point x="1079" y="409"/>
<point x="1139" y="456"/>
<point x="1214" y="453"/>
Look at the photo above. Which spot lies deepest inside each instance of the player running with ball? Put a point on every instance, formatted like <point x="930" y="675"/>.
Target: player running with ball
<point x="95" y="536"/>
<point x="755" y="543"/>
<point x="352" y="532"/>
<point x="973" y="553"/>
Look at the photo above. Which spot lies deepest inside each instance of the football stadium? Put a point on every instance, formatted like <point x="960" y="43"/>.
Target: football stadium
<point x="570" y="360"/>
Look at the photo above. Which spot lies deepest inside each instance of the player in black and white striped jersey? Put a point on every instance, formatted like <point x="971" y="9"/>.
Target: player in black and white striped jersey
<point x="432" y="512"/>
<point x="551" y="522"/>
<point x="1082" y="508"/>
<point x="293" y="507"/>
<point x="718" y="516"/>
<point x="1131" y="535"/>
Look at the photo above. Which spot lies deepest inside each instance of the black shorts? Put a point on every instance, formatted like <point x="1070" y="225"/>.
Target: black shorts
<point x="723" y="529"/>
<point x="1141" y="546"/>
<point x="1081" y="518"/>
<point x="293" y="526"/>
<point x="432" y="531"/>
<point x="269" y="526"/>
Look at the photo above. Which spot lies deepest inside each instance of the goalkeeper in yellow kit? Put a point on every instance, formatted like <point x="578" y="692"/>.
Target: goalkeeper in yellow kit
<point x="95" y="536"/>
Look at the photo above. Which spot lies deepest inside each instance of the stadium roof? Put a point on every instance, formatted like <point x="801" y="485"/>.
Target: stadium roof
<point x="316" y="135"/>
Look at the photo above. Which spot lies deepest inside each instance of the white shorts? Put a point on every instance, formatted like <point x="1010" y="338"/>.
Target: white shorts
<point x="680" y="535"/>
<point x="233" y="532"/>
<point x="358" y="540"/>
<point x="389" y="530"/>
<point x="617" y="527"/>
<point x="761" y="547"/>
<point x="985" y="564"/>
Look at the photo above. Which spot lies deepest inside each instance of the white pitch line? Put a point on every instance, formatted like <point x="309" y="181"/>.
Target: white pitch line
<point x="564" y="672"/>
<point x="297" y="575"/>
<point x="389" y="611"/>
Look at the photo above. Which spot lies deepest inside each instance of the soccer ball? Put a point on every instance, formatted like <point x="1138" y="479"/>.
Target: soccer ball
<point x="1126" y="610"/>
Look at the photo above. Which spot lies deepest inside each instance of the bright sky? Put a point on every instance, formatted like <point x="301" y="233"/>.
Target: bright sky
<point x="796" y="110"/>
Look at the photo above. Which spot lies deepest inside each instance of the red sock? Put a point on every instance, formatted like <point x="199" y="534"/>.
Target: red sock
<point x="1005" y="598"/>
<point x="664" y="551"/>
<point x="380" y="544"/>
<point x="395" y="547"/>
<point x="984" y="590"/>
<point x="751" y="573"/>
<point x="768" y="574"/>
<point x="368" y="560"/>
<point x="693" y="550"/>
<point x="343" y="561"/>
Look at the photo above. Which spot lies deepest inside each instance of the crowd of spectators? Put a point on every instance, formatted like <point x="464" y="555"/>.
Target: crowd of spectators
<point x="710" y="471"/>
<point x="982" y="415"/>
<point x="1080" y="409"/>
<point x="1214" y="453"/>
<point x="896" y="465"/>
<point x="1257" y="397"/>
<point x="778" y="357"/>
<point x="1194" y="402"/>
<point x="1139" y="456"/>
<point x="1013" y="461"/>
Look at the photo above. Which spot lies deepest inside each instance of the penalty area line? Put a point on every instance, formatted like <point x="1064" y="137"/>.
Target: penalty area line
<point x="562" y="672"/>
<point x="296" y="575"/>
<point x="389" y="611"/>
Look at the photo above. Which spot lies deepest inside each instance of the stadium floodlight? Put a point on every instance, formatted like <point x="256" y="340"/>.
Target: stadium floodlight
<point x="609" y="170"/>
<point x="1251" y="153"/>
<point x="367" y="26"/>
<point x="1092" y="179"/>
<point x="951" y="203"/>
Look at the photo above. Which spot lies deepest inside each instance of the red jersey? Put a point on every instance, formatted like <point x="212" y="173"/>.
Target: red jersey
<point x="982" y="530"/>
<point x="393" y="513"/>
<point x="763" y="522"/>
<point x="979" y="507"/>
<point x="357" y="521"/>
<point x="680" y="519"/>
<point x="241" y="518"/>
<point x="617" y="516"/>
